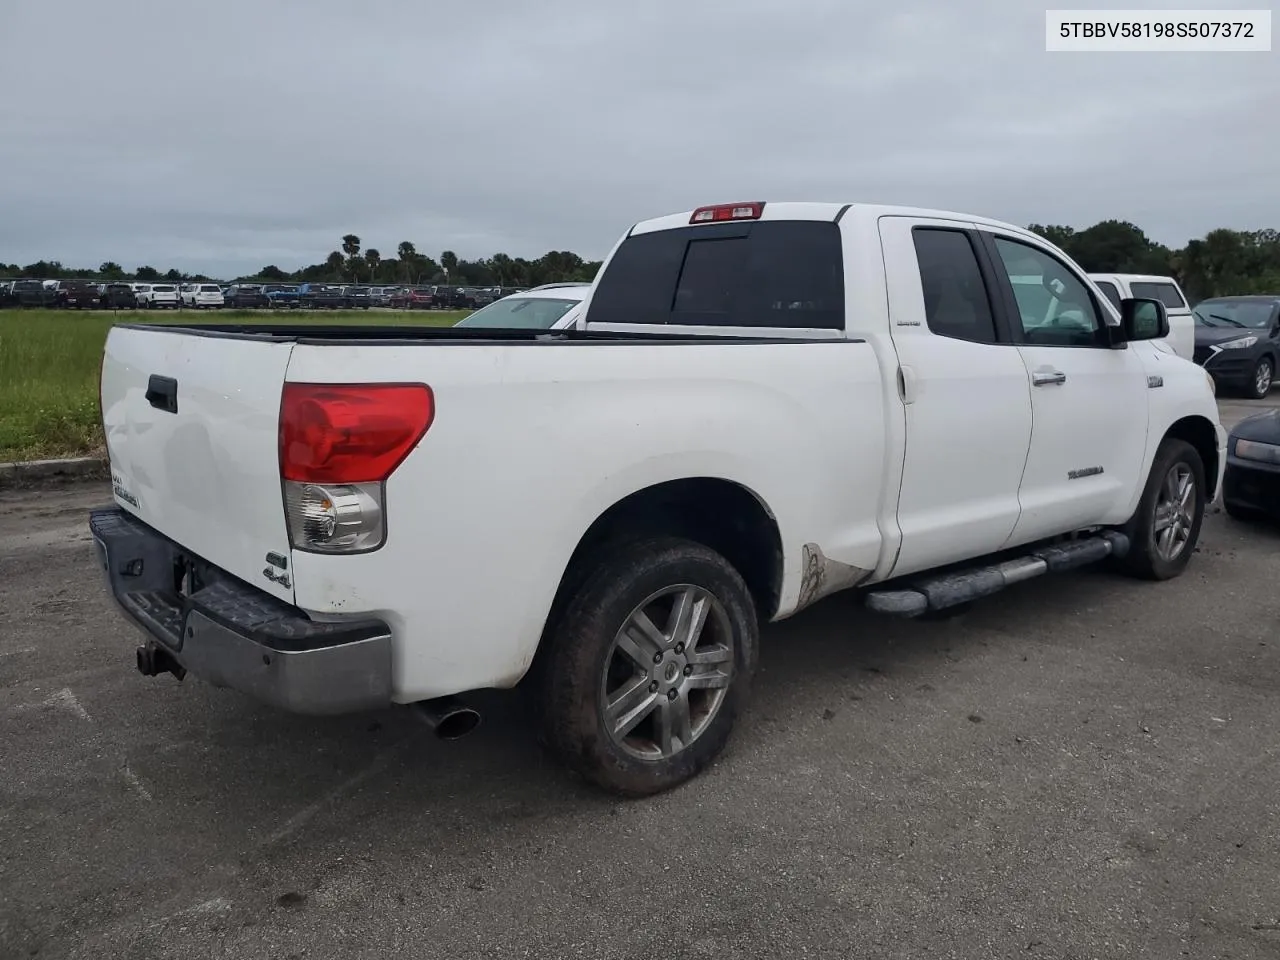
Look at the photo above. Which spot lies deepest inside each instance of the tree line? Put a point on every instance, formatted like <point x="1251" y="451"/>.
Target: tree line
<point x="1221" y="263"/>
<point x="352" y="264"/>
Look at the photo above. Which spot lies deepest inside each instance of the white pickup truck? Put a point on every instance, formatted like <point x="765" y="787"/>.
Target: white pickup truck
<point x="765" y="403"/>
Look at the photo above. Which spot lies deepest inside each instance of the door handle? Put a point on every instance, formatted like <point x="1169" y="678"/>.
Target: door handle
<point x="1042" y="378"/>
<point x="162" y="393"/>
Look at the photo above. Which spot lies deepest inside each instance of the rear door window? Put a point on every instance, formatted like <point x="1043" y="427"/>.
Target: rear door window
<point x="781" y="274"/>
<point x="1166" y="293"/>
<point x="957" y="303"/>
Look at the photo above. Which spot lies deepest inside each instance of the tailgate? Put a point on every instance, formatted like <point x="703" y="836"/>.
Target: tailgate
<point x="191" y="425"/>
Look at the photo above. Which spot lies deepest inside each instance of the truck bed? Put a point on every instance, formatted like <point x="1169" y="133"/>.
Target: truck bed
<point x="525" y="449"/>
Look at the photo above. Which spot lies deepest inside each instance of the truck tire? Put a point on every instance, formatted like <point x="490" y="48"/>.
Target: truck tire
<point x="1165" y="528"/>
<point x="623" y="703"/>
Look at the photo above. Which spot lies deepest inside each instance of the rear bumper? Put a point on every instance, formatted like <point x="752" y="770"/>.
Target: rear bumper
<point x="230" y="634"/>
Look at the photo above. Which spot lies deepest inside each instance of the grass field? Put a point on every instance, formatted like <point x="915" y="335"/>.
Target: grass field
<point x="49" y="362"/>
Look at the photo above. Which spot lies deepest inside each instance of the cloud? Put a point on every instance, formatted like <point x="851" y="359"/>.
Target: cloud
<point x="222" y="136"/>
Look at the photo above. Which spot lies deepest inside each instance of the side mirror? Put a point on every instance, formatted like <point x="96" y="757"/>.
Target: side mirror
<point x="1142" y="319"/>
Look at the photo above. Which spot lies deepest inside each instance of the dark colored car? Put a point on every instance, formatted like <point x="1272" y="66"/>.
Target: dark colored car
<point x="1251" y="483"/>
<point x="321" y="296"/>
<point x="116" y="296"/>
<point x="358" y="297"/>
<point x="246" y="296"/>
<point x="446" y="297"/>
<point x="1238" y="342"/>
<point x="75" y="294"/>
<point x="282" y="295"/>
<point x="30" y="293"/>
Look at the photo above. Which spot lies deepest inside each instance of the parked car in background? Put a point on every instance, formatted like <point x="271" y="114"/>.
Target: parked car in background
<point x="321" y="296"/>
<point x="449" y="297"/>
<point x="280" y="295"/>
<point x="413" y="298"/>
<point x="1120" y="286"/>
<point x="202" y="296"/>
<point x="245" y="296"/>
<point x="75" y="295"/>
<point x="1238" y="342"/>
<point x="1251" y="484"/>
<point x="358" y="297"/>
<point x="116" y="296"/>
<point x="157" y="296"/>
<point x="553" y="306"/>
<point x="30" y="293"/>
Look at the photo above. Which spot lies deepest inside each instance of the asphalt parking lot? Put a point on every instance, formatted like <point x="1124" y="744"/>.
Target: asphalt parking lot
<point x="1084" y="766"/>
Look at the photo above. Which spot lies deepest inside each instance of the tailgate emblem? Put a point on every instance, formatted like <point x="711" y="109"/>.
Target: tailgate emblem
<point x="119" y="489"/>
<point x="277" y="560"/>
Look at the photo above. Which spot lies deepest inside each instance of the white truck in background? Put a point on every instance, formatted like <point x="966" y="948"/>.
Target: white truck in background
<point x="1182" y="326"/>
<point x="764" y="404"/>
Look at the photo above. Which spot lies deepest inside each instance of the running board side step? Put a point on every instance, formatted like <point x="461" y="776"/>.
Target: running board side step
<point x="964" y="586"/>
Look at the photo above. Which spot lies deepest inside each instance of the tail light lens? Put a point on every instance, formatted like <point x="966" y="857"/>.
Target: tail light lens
<point x="338" y="445"/>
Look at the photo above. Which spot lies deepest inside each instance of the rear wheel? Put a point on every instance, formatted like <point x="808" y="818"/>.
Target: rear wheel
<point x="1164" y="530"/>
<point x="649" y="666"/>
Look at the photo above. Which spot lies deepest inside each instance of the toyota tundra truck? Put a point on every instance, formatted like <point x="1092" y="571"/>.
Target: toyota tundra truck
<point x="763" y="404"/>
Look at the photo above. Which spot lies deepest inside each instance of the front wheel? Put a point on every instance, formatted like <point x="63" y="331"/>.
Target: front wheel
<point x="649" y="666"/>
<point x="1263" y="375"/>
<point x="1164" y="530"/>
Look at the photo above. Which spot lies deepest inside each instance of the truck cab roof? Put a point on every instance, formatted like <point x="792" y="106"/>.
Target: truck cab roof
<point x="821" y="211"/>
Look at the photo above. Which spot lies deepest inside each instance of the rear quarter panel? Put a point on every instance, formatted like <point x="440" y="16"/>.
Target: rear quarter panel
<point x="531" y="443"/>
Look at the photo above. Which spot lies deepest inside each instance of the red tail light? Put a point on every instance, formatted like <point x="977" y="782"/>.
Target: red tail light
<point x="728" y="211"/>
<point x="350" y="433"/>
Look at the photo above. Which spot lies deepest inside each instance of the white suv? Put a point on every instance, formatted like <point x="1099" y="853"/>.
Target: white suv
<point x="152" y="296"/>
<point x="1182" y="326"/>
<point x="201" y="295"/>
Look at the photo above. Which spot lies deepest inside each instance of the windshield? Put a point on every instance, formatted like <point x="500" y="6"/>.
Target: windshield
<point x="162" y="288"/>
<point x="1227" y="314"/>
<point x="521" y="313"/>
<point x="209" y="288"/>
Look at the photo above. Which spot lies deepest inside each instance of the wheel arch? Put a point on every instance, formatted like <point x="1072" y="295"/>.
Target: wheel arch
<point x="721" y="514"/>
<point x="1199" y="431"/>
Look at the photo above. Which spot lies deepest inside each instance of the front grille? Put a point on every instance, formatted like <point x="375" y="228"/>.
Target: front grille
<point x="1202" y="354"/>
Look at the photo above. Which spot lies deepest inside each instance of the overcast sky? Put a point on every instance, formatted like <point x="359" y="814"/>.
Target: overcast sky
<point x="221" y="136"/>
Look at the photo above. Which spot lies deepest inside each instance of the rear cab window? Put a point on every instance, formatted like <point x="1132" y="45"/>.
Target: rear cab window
<point x="1109" y="291"/>
<point x="786" y="274"/>
<point x="1166" y="293"/>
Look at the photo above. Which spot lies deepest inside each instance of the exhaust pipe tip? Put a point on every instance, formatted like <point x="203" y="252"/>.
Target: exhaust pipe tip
<point x="448" y="717"/>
